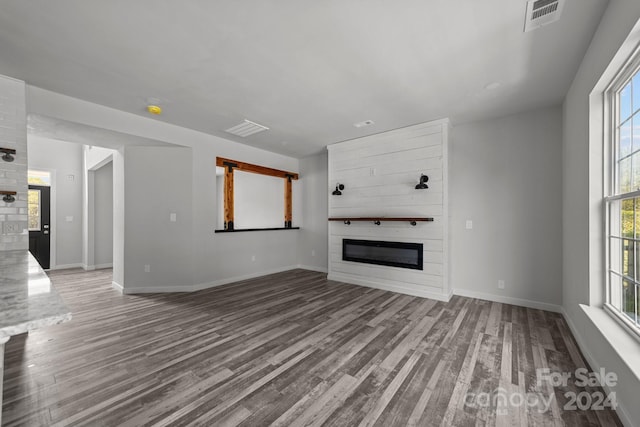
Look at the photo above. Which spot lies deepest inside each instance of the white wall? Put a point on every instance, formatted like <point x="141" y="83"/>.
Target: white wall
<point x="103" y="216"/>
<point x="380" y="173"/>
<point x="96" y="156"/>
<point x="13" y="175"/>
<point x="118" y="218"/>
<point x="583" y="266"/>
<point x="217" y="258"/>
<point x="506" y="178"/>
<point x="64" y="160"/>
<point x="258" y="200"/>
<point x="312" y="240"/>
<point x="156" y="186"/>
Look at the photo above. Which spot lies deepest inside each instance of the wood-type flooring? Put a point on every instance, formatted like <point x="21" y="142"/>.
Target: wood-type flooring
<point x="291" y="349"/>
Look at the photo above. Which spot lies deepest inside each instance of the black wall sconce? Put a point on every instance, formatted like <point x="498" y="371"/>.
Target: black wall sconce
<point x="423" y="182"/>
<point x="8" y="154"/>
<point x="337" y="191"/>
<point x="8" y="196"/>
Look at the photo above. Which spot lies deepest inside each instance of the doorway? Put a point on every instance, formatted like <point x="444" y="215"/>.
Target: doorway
<point x="39" y="209"/>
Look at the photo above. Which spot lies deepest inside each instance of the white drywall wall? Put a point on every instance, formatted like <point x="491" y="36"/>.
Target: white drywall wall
<point x="103" y="216"/>
<point x="312" y="240"/>
<point x="506" y="179"/>
<point x="156" y="187"/>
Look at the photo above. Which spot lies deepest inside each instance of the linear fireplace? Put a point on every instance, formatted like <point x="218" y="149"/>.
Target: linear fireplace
<point x="394" y="254"/>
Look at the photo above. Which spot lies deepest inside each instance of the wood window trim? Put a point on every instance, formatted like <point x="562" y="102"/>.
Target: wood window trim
<point x="232" y="165"/>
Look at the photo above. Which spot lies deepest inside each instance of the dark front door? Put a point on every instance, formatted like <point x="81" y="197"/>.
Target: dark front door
<point x="39" y="229"/>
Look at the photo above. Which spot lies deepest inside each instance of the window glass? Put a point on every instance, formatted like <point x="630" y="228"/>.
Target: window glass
<point x="628" y="299"/>
<point x="39" y="178"/>
<point x="636" y="218"/>
<point x="635" y="125"/>
<point x="635" y="171"/>
<point x="34" y="210"/>
<point x="625" y="140"/>
<point x="625" y="102"/>
<point x="624" y="175"/>
<point x="636" y="92"/>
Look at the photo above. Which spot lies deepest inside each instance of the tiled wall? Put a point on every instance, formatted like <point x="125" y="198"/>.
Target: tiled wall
<point x="13" y="175"/>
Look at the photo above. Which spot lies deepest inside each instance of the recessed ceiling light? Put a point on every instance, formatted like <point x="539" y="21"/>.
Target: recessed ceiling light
<point x="492" y="86"/>
<point x="363" y="124"/>
<point x="246" y="128"/>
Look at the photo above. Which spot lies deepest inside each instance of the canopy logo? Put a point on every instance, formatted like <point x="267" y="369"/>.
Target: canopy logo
<point x="544" y="396"/>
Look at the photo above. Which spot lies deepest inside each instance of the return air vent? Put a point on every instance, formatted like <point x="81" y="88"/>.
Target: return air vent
<point x="542" y="12"/>
<point x="246" y="128"/>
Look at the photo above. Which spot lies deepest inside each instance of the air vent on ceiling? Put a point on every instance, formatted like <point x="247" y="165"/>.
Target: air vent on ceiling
<point x="246" y="128"/>
<point x="542" y="12"/>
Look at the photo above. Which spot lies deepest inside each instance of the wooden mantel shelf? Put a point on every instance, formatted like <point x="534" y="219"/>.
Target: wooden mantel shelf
<point x="378" y="220"/>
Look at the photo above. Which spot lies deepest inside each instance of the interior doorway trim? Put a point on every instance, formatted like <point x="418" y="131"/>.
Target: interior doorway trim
<point x="88" y="257"/>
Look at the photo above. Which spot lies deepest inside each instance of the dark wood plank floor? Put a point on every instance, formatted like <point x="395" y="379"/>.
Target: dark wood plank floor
<point x="290" y="349"/>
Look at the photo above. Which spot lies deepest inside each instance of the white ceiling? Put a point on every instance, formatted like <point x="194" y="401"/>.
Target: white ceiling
<point x="308" y="70"/>
<point x="61" y="130"/>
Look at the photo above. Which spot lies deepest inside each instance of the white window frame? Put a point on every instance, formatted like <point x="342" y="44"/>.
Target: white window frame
<point x="611" y="114"/>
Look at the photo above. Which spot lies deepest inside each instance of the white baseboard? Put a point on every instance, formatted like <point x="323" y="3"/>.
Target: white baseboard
<point x="192" y="288"/>
<point x="313" y="268"/>
<point x="157" y="289"/>
<point x="96" y="266"/>
<point x="65" y="266"/>
<point x="509" y="300"/>
<point x="390" y="286"/>
<point x="101" y="266"/>
<point x="117" y="286"/>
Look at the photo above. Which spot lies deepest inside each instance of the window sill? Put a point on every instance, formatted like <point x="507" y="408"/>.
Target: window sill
<point x="628" y="326"/>
<point x="624" y="342"/>
<point x="238" y="230"/>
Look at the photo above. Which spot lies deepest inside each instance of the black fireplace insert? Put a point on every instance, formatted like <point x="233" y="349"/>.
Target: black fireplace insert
<point x="394" y="254"/>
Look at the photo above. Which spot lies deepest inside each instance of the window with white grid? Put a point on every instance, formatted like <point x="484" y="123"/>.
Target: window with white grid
<point x="623" y="200"/>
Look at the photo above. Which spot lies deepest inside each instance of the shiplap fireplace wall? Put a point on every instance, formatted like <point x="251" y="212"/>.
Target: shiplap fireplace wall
<point x="379" y="174"/>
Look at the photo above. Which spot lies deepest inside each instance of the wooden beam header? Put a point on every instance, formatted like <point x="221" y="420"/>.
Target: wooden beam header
<point x="248" y="167"/>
